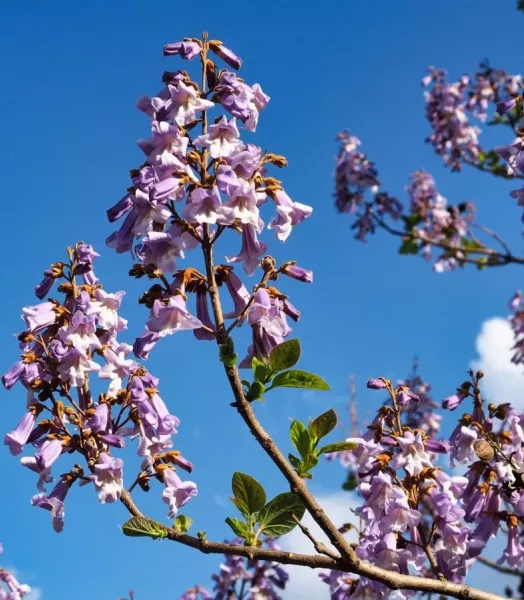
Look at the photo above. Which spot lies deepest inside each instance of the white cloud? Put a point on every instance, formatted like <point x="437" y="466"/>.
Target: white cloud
<point x="36" y="594"/>
<point x="304" y="583"/>
<point x="503" y="381"/>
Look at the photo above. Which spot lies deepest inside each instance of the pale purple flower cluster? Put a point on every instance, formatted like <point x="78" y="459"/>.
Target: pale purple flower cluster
<point x="516" y="320"/>
<point x="63" y="347"/>
<point x="243" y="578"/>
<point x="410" y="503"/>
<point x="357" y="188"/>
<point x="436" y="222"/>
<point x="10" y="587"/>
<point x="191" y="188"/>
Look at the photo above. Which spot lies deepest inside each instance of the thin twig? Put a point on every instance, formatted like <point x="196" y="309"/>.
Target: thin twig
<point x="319" y="546"/>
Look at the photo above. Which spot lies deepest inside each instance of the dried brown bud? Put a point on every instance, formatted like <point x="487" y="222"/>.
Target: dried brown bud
<point x="501" y="411"/>
<point x="276" y="159"/>
<point x="211" y="74"/>
<point x="65" y="288"/>
<point x="137" y="271"/>
<point x="480" y="374"/>
<point x="148" y="298"/>
<point x="267" y="264"/>
<point x="194" y="157"/>
<point x="483" y="450"/>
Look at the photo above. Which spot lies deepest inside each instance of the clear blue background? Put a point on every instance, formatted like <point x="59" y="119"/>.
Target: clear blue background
<point x="71" y="73"/>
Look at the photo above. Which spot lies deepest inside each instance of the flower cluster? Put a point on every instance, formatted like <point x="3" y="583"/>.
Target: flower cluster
<point x="190" y="189"/>
<point x="63" y="346"/>
<point x="414" y="514"/>
<point x="10" y="587"/>
<point x="516" y="321"/>
<point x="434" y="223"/>
<point x="357" y="188"/>
<point x="243" y="578"/>
<point x="429" y="223"/>
<point x="449" y="107"/>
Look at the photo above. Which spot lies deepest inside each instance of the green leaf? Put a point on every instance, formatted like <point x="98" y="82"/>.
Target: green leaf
<point x="250" y="496"/>
<point x="259" y="369"/>
<point x="337" y="447"/>
<point x="276" y="516"/>
<point x="239" y="527"/>
<point x="299" y="379"/>
<point x="323" y="424"/>
<point x="300" y="437"/>
<point x="351" y="483"/>
<point x="294" y="461"/>
<point x="409" y="246"/>
<point x="142" y="527"/>
<point x="256" y="390"/>
<point x="309" y="462"/>
<point x="201" y="535"/>
<point x="284" y="356"/>
<point x="182" y="523"/>
<point x="227" y="353"/>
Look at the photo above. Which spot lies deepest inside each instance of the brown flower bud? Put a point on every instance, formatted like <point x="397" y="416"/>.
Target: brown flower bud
<point x="483" y="450"/>
<point x="276" y="159"/>
<point x="137" y="271"/>
<point x="480" y="374"/>
<point x="211" y="74"/>
<point x="267" y="264"/>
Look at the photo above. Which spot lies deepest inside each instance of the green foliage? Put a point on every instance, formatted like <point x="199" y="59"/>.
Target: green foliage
<point x="276" y="518"/>
<point x="409" y="246"/>
<point x="299" y="379"/>
<point x="284" y="356"/>
<point x="227" y="353"/>
<point x="182" y="523"/>
<point x="142" y="527"/>
<point x="306" y="442"/>
<point x="249" y="495"/>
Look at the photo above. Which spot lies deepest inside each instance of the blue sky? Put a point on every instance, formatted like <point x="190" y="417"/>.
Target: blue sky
<point x="71" y="74"/>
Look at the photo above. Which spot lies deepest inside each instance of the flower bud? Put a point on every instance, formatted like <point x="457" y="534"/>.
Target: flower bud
<point x="484" y="450"/>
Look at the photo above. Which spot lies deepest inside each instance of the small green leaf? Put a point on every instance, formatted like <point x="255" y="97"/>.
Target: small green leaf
<point x="259" y="369"/>
<point x="250" y="496"/>
<point x="239" y="527"/>
<point x="201" y="535"/>
<point x="300" y="437"/>
<point x="256" y="390"/>
<point x="299" y="379"/>
<point x="142" y="527"/>
<point x="227" y="353"/>
<point x="351" y="482"/>
<point x="284" y="356"/>
<point x="409" y="246"/>
<point x="276" y="517"/>
<point x="182" y="523"/>
<point x="337" y="447"/>
<point x="323" y="425"/>
<point x="294" y="461"/>
<point x="309" y="462"/>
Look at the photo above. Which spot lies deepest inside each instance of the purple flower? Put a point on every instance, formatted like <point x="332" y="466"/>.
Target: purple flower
<point x="107" y="477"/>
<point x="295" y="272"/>
<point x="14" y="374"/>
<point x="117" y="368"/>
<point x="186" y="103"/>
<point x="74" y="367"/>
<point x="376" y="384"/>
<point x="242" y="101"/>
<point x="105" y="308"/>
<point x="144" y="343"/>
<point x="237" y="290"/>
<point x="241" y="206"/>
<point x="44" y="287"/>
<point x="169" y="318"/>
<point x="39" y="317"/>
<point x="121" y="208"/>
<point x="289" y="214"/>
<point x="202" y="311"/>
<point x="412" y="456"/>
<point x="202" y="205"/>
<point x="54" y="502"/>
<point x="405" y="396"/>
<point x="514" y="552"/>
<point x="17" y="438"/>
<point x="81" y="333"/>
<point x="227" y="55"/>
<point x="251" y="251"/>
<point x="506" y="105"/>
<point x="222" y="139"/>
<point x="186" y="49"/>
<point x="177" y="493"/>
<point x="454" y="401"/>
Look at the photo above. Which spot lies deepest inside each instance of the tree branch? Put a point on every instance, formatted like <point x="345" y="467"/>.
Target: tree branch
<point x="349" y="562"/>
<point x="500" y="568"/>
